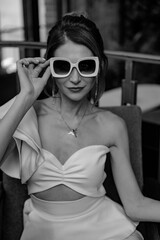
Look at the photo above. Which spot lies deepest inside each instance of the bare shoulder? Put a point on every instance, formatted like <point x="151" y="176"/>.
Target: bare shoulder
<point x="43" y="106"/>
<point x="107" y="117"/>
<point x="110" y="124"/>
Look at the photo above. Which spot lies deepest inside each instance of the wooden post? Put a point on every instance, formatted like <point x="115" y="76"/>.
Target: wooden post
<point x="31" y="25"/>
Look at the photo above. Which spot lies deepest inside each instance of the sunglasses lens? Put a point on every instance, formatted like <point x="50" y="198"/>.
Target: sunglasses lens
<point x="87" y="66"/>
<point x="61" y="67"/>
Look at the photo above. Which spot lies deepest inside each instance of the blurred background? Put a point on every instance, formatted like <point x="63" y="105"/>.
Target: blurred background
<point x="125" y="26"/>
<point x="131" y="34"/>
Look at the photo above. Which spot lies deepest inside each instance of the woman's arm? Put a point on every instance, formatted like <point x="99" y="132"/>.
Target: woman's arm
<point x="137" y="207"/>
<point x="31" y="86"/>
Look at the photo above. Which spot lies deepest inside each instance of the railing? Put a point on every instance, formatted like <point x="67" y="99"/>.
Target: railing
<point x="131" y="58"/>
<point x="129" y="89"/>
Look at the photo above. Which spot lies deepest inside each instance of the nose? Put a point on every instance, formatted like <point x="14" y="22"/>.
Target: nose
<point x="74" y="76"/>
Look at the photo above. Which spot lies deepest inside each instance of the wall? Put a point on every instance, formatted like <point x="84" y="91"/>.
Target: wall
<point x="104" y="12"/>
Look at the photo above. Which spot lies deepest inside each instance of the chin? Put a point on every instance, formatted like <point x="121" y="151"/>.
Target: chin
<point x="77" y="98"/>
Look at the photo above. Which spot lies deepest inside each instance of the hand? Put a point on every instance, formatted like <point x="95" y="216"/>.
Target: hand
<point x="29" y="69"/>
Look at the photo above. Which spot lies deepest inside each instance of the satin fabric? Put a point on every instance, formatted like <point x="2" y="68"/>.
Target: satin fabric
<point x="95" y="217"/>
<point x="83" y="171"/>
<point x="88" y="219"/>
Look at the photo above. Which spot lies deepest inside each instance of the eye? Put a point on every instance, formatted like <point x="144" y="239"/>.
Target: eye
<point x="61" y="67"/>
<point x="87" y="66"/>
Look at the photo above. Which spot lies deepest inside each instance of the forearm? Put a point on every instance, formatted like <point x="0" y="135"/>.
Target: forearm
<point x="146" y="209"/>
<point x="31" y="86"/>
<point x="12" y="119"/>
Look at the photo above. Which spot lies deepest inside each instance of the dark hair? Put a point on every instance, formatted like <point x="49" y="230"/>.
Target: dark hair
<point x="81" y="30"/>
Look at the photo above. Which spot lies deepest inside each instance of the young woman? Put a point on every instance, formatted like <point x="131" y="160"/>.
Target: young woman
<point x="58" y="145"/>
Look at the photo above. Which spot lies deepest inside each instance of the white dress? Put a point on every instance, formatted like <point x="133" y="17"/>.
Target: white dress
<point x="94" y="217"/>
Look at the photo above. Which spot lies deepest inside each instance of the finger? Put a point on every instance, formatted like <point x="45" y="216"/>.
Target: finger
<point x="27" y="61"/>
<point x="40" y="68"/>
<point x="45" y="63"/>
<point x="35" y="62"/>
<point x="22" y="62"/>
<point x="40" y="59"/>
<point x="31" y="66"/>
<point x="46" y="74"/>
<point x="41" y="62"/>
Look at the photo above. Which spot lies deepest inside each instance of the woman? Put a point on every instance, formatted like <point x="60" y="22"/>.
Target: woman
<point x="58" y="145"/>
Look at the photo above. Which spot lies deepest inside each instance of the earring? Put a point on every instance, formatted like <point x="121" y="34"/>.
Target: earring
<point x="54" y="88"/>
<point x="96" y="88"/>
<point x="53" y="93"/>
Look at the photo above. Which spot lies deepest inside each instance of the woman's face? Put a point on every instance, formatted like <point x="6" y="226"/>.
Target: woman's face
<point x="74" y="87"/>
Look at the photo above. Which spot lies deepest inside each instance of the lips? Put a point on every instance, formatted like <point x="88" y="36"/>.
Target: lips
<point x="75" y="89"/>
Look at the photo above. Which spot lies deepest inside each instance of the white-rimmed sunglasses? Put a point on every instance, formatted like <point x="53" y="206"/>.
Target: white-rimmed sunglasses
<point x="86" y="67"/>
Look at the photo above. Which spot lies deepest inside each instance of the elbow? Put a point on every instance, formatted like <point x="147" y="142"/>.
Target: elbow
<point x="134" y="210"/>
<point x="132" y="213"/>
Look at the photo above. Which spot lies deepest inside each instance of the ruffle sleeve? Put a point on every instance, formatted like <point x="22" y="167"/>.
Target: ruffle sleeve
<point x="23" y="160"/>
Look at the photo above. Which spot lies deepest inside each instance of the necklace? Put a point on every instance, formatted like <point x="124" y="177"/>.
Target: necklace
<point x="73" y="131"/>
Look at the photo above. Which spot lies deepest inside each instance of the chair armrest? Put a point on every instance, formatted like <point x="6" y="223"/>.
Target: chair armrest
<point x="1" y="190"/>
<point x="1" y="207"/>
<point x="151" y="231"/>
<point x="151" y="189"/>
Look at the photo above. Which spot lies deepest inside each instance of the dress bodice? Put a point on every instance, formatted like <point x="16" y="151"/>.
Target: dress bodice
<point x="83" y="171"/>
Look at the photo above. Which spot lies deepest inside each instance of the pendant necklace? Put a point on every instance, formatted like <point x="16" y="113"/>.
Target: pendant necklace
<point x="73" y="131"/>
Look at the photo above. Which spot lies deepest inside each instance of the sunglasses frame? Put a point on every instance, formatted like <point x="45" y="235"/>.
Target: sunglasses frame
<point x="74" y="65"/>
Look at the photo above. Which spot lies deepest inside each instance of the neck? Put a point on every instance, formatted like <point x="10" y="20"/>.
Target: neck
<point x="72" y="108"/>
<point x="72" y="113"/>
